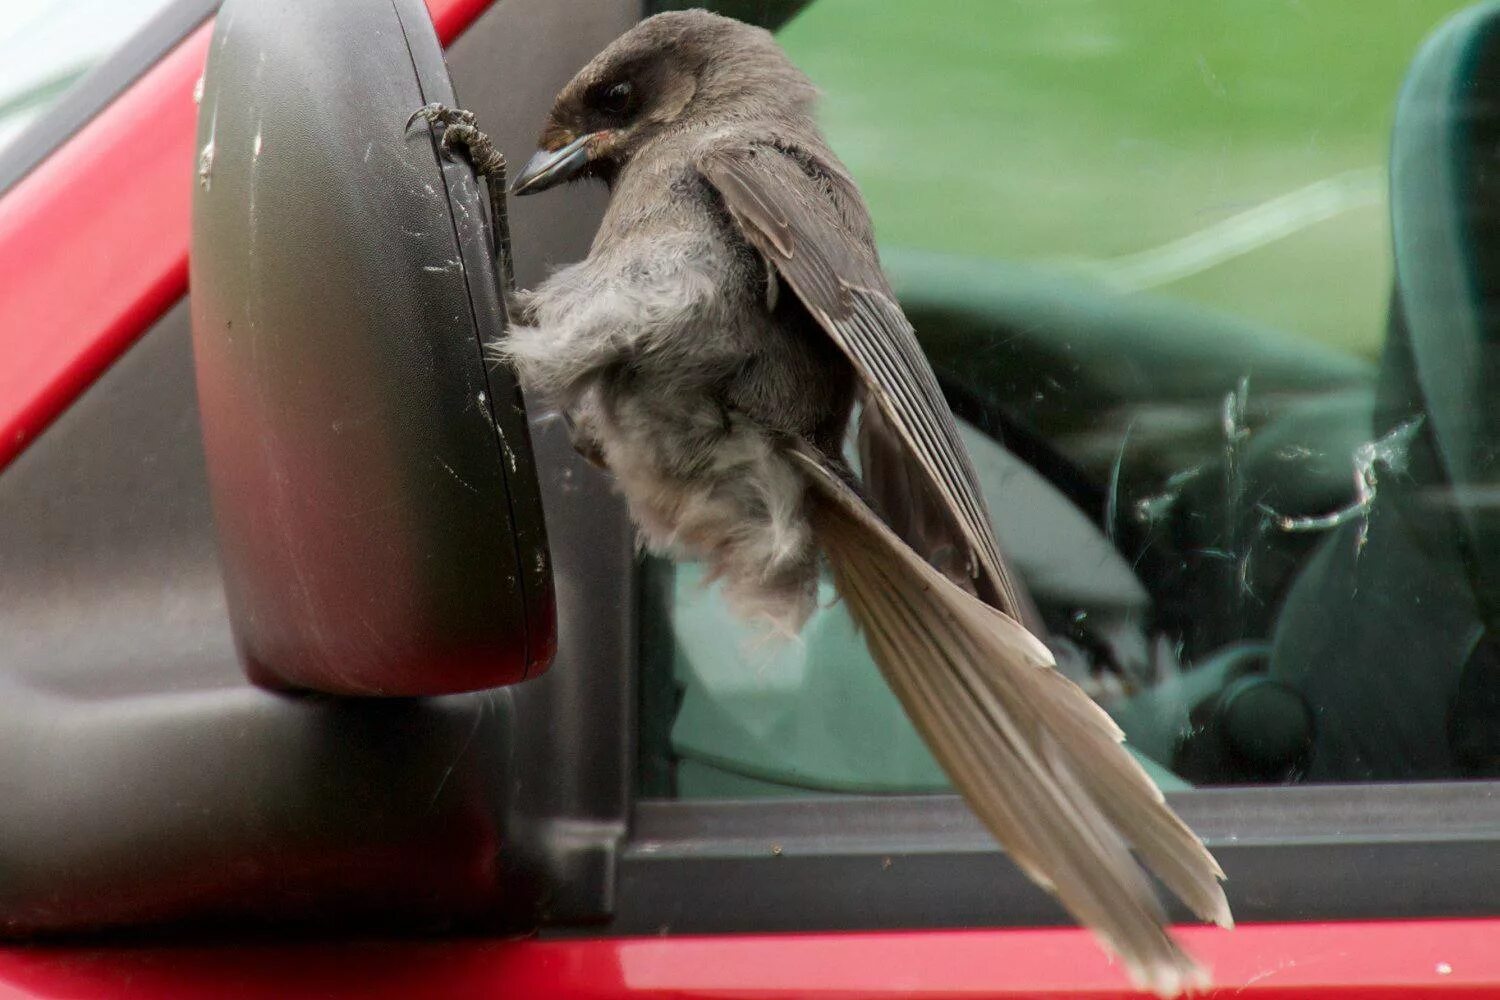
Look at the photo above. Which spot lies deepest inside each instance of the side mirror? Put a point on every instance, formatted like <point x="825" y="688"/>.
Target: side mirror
<point x="379" y="522"/>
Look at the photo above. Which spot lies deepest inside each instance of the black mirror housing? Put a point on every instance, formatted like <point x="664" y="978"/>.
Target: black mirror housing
<point x="379" y="521"/>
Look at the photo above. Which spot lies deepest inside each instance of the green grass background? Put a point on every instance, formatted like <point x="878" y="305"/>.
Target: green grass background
<point x="1053" y="131"/>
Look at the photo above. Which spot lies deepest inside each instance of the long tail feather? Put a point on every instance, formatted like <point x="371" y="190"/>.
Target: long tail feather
<point x="1040" y="764"/>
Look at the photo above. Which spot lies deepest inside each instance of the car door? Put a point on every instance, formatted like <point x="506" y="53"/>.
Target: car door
<point x="1163" y="312"/>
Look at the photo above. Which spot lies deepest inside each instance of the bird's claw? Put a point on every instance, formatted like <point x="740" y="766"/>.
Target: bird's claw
<point x="440" y="114"/>
<point x="461" y="137"/>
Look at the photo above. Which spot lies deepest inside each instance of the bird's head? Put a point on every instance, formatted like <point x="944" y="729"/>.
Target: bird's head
<point x="676" y="70"/>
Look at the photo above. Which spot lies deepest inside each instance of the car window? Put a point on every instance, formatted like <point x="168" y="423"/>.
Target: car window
<point x="46" y="46"/>
<point x="1207" y="286"/>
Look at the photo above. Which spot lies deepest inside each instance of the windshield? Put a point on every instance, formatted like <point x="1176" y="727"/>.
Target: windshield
<point x="47" y="46"/>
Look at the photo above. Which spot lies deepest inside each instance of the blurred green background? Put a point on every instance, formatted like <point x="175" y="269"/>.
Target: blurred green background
<point x="1227" y="152"/>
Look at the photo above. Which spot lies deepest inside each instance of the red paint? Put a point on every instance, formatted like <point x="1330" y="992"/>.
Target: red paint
<point x="1351" y="961"/>
<point x="451" y="17"/>
<point x="93" y="245"/>
<point x="93" y="242"/>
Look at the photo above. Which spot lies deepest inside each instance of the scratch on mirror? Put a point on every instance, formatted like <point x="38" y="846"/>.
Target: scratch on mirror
<point x="461" y="480"/>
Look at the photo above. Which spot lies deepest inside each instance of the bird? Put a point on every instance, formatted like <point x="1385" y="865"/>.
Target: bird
<point x="728" y="332"/>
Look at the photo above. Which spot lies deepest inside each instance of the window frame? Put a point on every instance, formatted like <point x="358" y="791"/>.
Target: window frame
<point x="1291" y="853"/>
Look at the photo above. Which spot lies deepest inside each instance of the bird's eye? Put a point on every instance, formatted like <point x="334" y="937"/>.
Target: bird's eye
<point x="617" y="98"/>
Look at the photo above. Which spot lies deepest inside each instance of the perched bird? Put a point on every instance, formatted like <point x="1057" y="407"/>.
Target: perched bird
<point x="710" y="352"/>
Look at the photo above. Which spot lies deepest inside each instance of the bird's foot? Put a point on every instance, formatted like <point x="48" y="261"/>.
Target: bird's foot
<point x="461" y="137"/>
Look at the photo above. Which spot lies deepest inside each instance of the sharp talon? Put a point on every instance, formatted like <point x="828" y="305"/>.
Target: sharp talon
<point x="429" y="112"/>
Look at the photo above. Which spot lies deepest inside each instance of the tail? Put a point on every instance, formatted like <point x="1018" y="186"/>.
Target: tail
<point x="1039" y="763"/>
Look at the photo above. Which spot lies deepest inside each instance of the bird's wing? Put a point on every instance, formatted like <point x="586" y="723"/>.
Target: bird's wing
<point x="805" y="216"/>
<point x="1039" y="763"/>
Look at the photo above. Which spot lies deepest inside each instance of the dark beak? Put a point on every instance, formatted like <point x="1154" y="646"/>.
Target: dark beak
<point x="546" y="169"/>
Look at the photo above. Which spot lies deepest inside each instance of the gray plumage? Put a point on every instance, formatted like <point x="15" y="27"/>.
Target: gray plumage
<point x="709" y="352"/>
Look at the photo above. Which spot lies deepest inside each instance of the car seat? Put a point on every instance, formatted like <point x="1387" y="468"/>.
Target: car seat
<point x="1388" y="634"/>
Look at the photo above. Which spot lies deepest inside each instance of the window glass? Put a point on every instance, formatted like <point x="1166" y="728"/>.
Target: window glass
<point x="1209" y="286"/>
<point x="46" y="46"/>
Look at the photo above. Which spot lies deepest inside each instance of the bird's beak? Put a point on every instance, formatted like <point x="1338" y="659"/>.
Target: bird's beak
<point x="549" y="167"/>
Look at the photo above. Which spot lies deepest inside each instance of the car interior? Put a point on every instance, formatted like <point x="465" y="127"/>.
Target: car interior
<point x="1284" y="541"/>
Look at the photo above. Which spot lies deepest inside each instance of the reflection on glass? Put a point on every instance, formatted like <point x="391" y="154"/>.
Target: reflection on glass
<point x="1221" y="281"/>
<point x="46" y="46"/>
